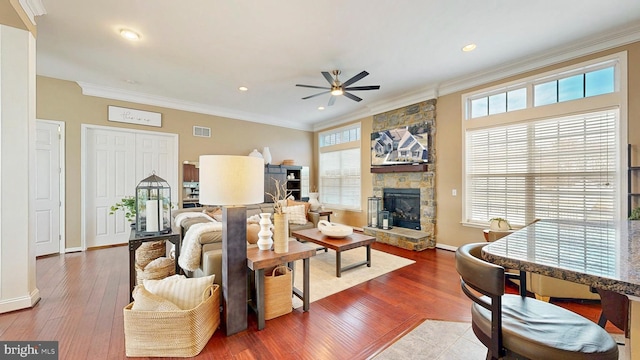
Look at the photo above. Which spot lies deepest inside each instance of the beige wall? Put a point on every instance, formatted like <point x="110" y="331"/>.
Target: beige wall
<point x="63" y="101"/>
<point x="449" y="231"/>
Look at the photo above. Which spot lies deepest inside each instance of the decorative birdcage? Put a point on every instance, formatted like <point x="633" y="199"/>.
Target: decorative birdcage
<point x="153" y="206"/>
<point x="373" y="209"/>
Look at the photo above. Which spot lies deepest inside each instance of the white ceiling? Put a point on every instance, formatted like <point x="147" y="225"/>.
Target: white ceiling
<point x="194" y="54"/>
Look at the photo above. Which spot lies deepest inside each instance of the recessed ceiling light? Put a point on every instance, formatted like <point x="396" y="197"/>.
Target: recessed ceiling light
<point x="320" y="107"/>
<point x="243" y="88"/>
<point x="129" y="34"/>
<point x="469" y="47"/>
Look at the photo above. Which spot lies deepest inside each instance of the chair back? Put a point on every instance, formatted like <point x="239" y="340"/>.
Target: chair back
<point x="487" y="279"/>
<point x="482" y="276"/>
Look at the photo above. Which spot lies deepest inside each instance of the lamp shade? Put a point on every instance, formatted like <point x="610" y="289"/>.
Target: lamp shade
<point x="231" y="180"/>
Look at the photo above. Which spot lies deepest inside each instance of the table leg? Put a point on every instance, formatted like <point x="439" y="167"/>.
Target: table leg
<point x="338" y="264"/>
<point x="305" y="284"/>
<point x="632" y="344"/>
<point x="368" y="255"/>
<point x="260" y="297"/>
<point x="132" y="271"/>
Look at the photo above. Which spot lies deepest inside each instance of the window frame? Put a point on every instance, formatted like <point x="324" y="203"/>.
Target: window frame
<point x="616" y="99"/>
<point x="340" y="146"/>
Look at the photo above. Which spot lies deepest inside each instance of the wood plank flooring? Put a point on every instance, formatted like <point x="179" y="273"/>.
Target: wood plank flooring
<point x="83" y="296"/>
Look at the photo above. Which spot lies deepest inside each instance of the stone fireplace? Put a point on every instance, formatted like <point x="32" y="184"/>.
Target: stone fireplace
<point x="403" y="206"/>
<point x="419" y="233"/>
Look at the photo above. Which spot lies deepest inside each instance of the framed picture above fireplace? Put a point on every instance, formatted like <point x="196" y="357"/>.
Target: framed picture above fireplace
<point x="401" y="146"/>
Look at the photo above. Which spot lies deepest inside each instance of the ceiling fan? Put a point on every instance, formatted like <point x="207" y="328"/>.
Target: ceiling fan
<point x="340" y="88"/>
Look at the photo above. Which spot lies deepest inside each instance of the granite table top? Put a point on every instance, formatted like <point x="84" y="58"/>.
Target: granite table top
<point x="604" y="255"/>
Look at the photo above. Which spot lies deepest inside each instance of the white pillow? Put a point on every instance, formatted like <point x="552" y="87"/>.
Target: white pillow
<point x="180" y="290"/>
<point x="296" y="213"/>
<point x="146" y="301"/>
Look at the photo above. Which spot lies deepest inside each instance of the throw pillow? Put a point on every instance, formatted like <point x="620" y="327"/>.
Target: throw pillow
<point x="252" y="233"/>
<point x="214" y="212"/>
<point x="185" y="292"/>
<point x="146" y="301"/>
<point x="307" y="205"/>
<point x="297" y="214"/>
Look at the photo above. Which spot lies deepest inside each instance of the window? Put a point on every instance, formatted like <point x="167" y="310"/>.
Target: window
<point x="563" y="168"/>
<point x="573" y="87"/>
<point x="339" y="168"/>
<point x="555" y="162"/>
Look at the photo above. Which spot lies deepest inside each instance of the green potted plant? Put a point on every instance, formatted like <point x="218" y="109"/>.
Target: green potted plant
<point x="499" y="224"/>
<point x="128" y="205"/>
<point x="635" y="214"/>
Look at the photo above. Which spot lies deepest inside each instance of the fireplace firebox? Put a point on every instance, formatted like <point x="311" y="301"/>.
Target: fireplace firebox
<point x="404" y="207"/>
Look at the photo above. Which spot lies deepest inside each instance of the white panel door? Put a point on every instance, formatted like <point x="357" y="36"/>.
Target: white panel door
<point x="156" y="154"/>
<point x="109" y="176"/>
<point x="47" y="189"/>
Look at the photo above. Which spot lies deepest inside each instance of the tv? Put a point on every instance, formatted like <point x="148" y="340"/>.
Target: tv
<point x="403" y="145"/>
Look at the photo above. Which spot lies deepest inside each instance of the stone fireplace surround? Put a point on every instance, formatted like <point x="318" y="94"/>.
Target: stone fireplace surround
<point x="422" y="179"/>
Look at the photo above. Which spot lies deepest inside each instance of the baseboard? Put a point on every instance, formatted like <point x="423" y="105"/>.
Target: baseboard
<point x="20" y="303"/>
<point x="446" y="247"/>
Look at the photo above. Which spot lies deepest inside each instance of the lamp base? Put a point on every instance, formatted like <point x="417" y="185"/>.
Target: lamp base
<point x="234" y="268"/>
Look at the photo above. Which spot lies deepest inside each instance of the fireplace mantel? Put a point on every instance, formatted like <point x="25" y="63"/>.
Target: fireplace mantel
<point x="400" y="168"/>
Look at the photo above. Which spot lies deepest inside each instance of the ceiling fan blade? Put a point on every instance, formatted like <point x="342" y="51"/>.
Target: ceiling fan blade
<point x="328" y="77"/>
<point x="356" y="88"/>
<point x="314" y="95"/>
<point x="355" y="78"/>
<point x="332" y="100"/>
<point x="352" y="97"/>
<point x="313" y="86"/>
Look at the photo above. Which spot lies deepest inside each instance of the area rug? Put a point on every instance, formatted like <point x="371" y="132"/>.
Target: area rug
<point x="322" y="272"/>
<point x="440" y="340"/>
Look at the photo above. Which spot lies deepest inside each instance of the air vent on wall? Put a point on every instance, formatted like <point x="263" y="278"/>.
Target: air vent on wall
<point x="201" y="131"/>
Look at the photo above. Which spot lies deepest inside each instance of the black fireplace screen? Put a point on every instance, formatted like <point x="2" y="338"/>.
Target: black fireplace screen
<point x="403" y="206"/>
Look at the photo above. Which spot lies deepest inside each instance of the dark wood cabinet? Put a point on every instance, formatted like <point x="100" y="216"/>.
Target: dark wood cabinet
<point x="190" y="173"/>
<point x="289" y="175"/>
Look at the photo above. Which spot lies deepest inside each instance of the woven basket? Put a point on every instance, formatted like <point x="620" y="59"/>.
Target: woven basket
<point x="168" y="268"/>
<point x="149" y="251"/>
<point x="277" y="293"/>
<point x="181" y="333"/>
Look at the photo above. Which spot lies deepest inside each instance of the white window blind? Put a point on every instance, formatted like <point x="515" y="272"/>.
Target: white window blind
<point x="340" y="178"/>
<point x="562" y="168"/>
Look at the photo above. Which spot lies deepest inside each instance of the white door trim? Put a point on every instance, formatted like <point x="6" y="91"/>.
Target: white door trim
<point x="63" y="171"/>
<point x="83" y="176"/>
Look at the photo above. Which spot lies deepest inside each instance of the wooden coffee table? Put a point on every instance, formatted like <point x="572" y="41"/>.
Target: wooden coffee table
<point x="339" y="245"/>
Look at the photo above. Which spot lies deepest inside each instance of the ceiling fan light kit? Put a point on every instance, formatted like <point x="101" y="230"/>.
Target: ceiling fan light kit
<point x="338" y="88"/>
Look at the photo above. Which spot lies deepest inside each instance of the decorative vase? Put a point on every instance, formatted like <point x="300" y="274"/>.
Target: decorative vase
<point x="281" y="233"/>
<point x="313" y="201"/>
<point x="266" y="154"/>
<point x="499" y="224"/>
<point x="264" y="235"/>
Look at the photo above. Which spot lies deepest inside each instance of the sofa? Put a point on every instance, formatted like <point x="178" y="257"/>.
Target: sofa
<point x="211" y="241"/>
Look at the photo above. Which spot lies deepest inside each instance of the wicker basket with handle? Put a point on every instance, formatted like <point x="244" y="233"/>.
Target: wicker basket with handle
<point x="181" y="333"/>
<point x="277" y="293"/>
<point x="149" y="251"/>
<point x="166" y="268"/>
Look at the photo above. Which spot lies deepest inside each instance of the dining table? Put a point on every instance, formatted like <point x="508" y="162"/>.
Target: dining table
<point x="600" y="254"/>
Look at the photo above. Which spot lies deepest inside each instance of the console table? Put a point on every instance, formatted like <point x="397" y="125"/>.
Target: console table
<point x="258" y="260"/>
<point x="134" y="243"/>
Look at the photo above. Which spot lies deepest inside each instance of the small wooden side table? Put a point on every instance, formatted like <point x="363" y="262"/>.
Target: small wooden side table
<point x="135" y="242"/>
<point x="324" y="213"/>
<point x="258" y="260"/>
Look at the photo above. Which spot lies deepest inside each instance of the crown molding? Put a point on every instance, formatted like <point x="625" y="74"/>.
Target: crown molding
<point x="620" y="37"/>
<point x="33" y="8"/>
<point x="381" y="106"/>
<point x="154" y="100"/>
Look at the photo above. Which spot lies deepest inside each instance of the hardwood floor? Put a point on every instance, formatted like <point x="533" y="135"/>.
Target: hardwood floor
<point x="83" y="296"/>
